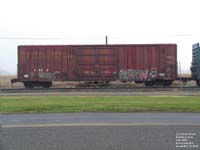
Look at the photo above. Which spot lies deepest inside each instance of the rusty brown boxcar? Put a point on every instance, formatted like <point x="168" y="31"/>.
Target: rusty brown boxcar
<point x="40" y="65"/>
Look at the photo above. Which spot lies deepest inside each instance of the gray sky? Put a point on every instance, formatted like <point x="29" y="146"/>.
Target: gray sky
<point x="88" y="21"/>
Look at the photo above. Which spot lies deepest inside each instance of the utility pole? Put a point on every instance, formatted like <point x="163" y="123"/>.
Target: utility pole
<point x="106" y="40"/>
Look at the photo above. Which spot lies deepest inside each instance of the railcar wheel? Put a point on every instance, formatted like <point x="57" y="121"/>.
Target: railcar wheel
<point x="96" y="82"/>
<point x="107" y="82"/>
<point x="46" y="84"/>
<point x="149" y="83"/>
<point x="167" y="83"/>
<point x="28" y="85"/>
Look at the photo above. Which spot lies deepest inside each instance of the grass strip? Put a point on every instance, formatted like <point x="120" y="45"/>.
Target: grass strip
<point x="59" y="104"/>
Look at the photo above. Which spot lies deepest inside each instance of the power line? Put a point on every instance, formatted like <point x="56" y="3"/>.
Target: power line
<point x="164" y="36"/>
<point x="46" y="38"/>
<point x="92" y="38"/>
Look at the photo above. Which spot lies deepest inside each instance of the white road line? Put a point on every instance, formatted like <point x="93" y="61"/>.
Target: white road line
<point x="98" y="124"/>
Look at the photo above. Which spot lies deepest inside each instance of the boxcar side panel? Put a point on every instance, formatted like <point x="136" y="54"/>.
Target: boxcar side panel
<point x="96" y="63"/>
<point x="161" y="59"/>
<point x="46" y="63"/>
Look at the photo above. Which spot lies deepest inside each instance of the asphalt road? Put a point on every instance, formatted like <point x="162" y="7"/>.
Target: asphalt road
<point x="98" y="131"/>
<point x="82" y="118"/>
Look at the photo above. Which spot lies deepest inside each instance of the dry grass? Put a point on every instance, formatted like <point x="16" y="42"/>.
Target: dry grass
<point x="66" y="84"/>
<point x="5" y="82"/>
<point x="184" y="75"/>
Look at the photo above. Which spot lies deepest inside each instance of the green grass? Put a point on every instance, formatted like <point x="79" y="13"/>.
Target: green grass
<point x="55" y="104"/>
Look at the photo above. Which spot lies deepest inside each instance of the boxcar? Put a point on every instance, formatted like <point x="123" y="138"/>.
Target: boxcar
<point x="195" y="68"/>
<point x="40" y="65"/>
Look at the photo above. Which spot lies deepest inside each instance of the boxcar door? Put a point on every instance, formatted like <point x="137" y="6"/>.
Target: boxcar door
<point x="97" y="64"/>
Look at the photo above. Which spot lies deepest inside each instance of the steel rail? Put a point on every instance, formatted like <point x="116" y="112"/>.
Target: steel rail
<point x="102" y="89"/>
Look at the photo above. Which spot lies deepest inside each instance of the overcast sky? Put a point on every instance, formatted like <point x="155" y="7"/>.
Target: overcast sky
<point x="88" y="21"/>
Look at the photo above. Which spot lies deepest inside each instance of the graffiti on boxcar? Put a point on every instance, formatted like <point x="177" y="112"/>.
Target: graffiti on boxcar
<point x="47" y="75"/>
<point x="132" y="75"/>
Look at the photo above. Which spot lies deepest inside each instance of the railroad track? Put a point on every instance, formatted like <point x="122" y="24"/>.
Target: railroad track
<point x="104" y="89"/>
